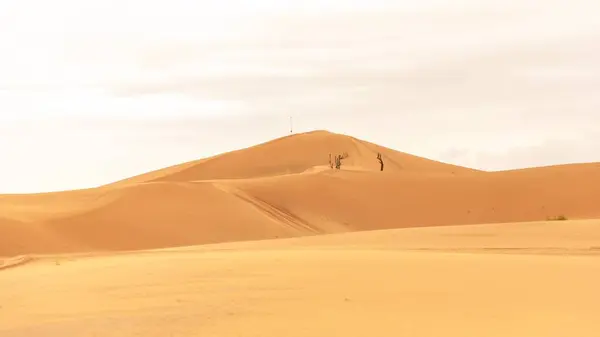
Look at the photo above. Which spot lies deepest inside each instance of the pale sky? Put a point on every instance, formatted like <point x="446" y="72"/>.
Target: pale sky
<point x="98" y="90"/>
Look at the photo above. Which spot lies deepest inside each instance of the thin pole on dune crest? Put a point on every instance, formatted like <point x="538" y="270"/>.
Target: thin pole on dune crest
<point x="291" y="125"/>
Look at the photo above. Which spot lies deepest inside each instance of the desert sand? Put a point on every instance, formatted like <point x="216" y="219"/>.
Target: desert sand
<point x="523" y="279"/>
<point x="285" y="188"/>
<point x="270" y="241"/>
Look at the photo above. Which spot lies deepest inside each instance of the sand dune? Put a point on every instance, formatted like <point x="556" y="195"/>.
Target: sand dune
<point x="531" y="279"/>
<point x="295" y="154"/>
<point x="157" y="215"/>
<point x="270" y="241"/>
<point x="370" y="200"/>
<point x="285" y="188"/>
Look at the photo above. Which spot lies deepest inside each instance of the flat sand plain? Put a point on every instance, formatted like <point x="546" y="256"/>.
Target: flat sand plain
<point x="521" y="279"/>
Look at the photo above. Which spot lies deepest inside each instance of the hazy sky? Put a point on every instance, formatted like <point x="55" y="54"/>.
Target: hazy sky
<point x="94" y="91"/>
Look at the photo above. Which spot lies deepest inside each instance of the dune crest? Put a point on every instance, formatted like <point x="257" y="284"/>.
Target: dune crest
<point x="294" y="154"/>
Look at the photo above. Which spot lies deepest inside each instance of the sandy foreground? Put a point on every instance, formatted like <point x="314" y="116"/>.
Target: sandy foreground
<point x="527" y="279"/>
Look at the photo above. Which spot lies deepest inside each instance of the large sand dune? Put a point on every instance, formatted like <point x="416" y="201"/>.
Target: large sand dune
<point x="125" y="259"/>
<point x="522" y="279"/>
<point x="285" y="188"/>
<point x="295" y="154"/>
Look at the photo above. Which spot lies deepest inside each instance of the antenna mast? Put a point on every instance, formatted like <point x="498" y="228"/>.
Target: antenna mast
<point x="291" y="125"/>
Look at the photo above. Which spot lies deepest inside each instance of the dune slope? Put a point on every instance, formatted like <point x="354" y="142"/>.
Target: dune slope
<point x="370" y="200"/>
<point x="156" y="215"/>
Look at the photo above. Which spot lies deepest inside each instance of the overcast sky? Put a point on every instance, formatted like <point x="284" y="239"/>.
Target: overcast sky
<point x="94" y="91"/>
